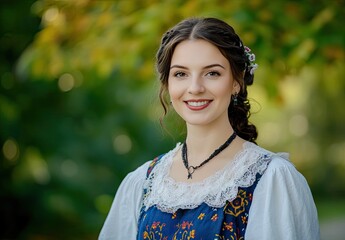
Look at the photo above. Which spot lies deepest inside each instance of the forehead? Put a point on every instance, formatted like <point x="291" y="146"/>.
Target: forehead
<point x="197" y="52"/>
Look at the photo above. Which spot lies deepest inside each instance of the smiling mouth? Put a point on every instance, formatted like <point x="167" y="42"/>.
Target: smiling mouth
<point x="198" y="105"/>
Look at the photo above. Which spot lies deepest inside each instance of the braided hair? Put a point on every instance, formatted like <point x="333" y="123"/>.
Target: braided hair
<point x="223" y="36"/>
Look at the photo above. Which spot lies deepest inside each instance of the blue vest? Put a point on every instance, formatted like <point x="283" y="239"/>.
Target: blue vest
<point x="203" y="222"/>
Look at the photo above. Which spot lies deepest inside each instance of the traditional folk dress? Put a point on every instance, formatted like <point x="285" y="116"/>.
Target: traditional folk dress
<point x="257" y="195"/>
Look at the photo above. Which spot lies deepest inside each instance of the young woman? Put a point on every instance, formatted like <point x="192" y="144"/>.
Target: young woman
<point x="218" y="184"/>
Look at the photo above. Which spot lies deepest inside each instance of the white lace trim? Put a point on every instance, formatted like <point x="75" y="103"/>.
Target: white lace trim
<point x="169" y="195"/>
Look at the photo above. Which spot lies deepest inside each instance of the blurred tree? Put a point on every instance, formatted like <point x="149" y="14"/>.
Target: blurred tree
<point x="79" y="110"/>
<point x="14" y="38"/>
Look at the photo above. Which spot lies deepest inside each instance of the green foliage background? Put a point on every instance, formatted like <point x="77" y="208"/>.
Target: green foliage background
<point x="79" y="108"/>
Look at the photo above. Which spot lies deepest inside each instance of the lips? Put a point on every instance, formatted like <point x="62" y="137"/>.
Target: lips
<point x="197" y="105"/>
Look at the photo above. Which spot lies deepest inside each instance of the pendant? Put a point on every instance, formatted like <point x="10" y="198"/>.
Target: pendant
<point x="190" y="170"/>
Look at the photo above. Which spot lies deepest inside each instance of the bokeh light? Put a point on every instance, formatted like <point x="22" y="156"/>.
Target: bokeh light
<point x="122" y="144"/>
<point x="10" y="150"/>
<point x="66" y="82"/>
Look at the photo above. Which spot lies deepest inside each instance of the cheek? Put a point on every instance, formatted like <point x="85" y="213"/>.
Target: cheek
<point x="224" y="95"/>
<point x="223" y="91"/>
<point x="170" y="91"/>
<point x="174" y="91"/>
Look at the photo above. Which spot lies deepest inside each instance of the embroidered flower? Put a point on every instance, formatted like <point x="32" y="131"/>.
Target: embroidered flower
<point x="155" y="224"/>
<point x="186" y="224"/>
<point x="250" y="196"/>
<point x="201" y="216"/>
<point x="238" y="205"/>
<point x="229" y="226"/>
<point x="192" y="234"/>
<point x="214" y="217"/>
<point x="173" y="215"/>
<point x="244" y="219"/>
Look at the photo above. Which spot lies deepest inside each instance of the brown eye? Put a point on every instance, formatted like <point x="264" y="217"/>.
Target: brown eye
<point x="213" y="74"/>
<point x="180" y="74"/>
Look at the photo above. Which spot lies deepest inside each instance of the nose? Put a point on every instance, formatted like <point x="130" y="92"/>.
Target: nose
<point x="196" y="86"/>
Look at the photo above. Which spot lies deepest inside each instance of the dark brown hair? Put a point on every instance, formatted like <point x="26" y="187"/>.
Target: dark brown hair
<point x="230" y="45"/>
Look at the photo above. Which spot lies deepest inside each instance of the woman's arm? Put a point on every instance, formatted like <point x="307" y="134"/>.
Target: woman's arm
<point x="283" y="207"/>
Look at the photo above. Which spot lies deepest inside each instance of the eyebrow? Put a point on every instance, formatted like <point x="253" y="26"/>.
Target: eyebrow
<point x="206" y="67"/>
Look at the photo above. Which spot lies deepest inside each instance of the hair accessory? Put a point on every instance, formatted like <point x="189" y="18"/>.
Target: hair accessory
<point x="191" y="169"/>
<point x="251" y="59"/>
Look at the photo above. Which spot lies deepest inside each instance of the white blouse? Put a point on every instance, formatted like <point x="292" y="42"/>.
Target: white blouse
<point x="282" y="208"/>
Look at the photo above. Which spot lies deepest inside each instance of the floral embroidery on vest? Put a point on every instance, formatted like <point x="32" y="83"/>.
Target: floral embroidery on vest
<point x="202" y="222"/>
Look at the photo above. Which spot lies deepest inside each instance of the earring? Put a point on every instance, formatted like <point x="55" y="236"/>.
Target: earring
<point x="234" y="98"/>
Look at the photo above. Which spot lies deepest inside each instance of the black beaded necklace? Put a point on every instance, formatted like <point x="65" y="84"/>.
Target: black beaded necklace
<point x="191" y="169"/>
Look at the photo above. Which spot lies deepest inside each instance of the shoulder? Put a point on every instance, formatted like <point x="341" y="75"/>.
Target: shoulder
<point x="280" y="171"/>
<point x="281" y="178"/>
<point x="138" y="175"/>
<point x="142" y="172"/>
<point x="282" y="198"/>
<point x="279" y="162"/>
<point x="282" y="168"/>
<point x="131" y="186"/>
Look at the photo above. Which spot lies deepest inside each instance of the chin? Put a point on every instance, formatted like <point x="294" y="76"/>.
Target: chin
<point x="197" y="121"/>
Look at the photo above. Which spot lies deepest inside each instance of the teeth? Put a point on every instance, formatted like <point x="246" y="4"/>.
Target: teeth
<point x="197" y="104"/>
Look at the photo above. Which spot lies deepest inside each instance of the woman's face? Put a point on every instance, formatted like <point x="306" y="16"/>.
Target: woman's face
<point x="200" y="83"/>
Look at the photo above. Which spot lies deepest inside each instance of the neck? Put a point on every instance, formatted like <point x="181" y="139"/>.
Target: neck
<point x="202" y="141"/>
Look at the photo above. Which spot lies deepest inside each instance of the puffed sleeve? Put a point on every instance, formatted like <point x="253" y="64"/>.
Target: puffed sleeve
<point x="121" y="222"/>
<point x="283" y="207"/>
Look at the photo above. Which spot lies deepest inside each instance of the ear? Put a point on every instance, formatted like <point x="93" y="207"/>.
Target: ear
<point x="236" y="87"/>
